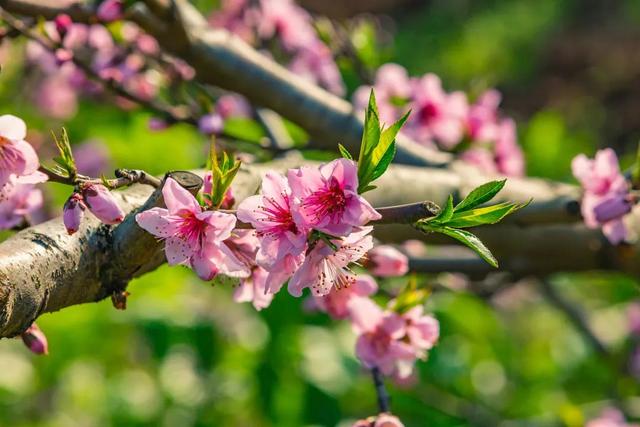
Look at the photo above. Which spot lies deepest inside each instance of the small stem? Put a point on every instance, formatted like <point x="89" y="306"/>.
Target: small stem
<point x="407" y="214"/>
<point x="124" y="177"/>
<point x="384" y="400"/>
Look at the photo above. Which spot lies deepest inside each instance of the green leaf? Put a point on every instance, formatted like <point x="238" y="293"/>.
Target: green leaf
<point x="481" y="216"/>
<point x="445" y="214"/>
<point x="480" y="195"/>
<point x="244" y="129"/>
<point x="473" y="242"/>
<point x="384" y="162"/>
<point x="344" y="152"/>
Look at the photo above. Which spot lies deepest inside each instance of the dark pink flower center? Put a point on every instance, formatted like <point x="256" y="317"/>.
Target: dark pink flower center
<point x="380" y="341"/>
<point x="191" y="228"/>
<point x="279" y="215"/>
<point x="428" y="113"/>
<point x="329" y="201"/>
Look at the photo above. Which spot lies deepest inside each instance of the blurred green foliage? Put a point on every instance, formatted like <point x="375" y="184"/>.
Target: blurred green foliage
<point x="183" y="354"/>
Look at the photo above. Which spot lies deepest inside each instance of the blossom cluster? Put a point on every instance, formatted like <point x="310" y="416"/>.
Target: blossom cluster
<point x="123" y="55"/>
<point x="291" y="27"/>
<point x="18" y="174"/>
<point x="306" y="228"/>
<point x="606" y="197"/>
<point x="447" y="120"/>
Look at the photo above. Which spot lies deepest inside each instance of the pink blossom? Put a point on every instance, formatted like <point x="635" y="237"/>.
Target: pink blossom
<point x="254" y="289"/>
<point x="73" y="212"/>
<point x="482" y="158"/>
<point x="508" y="154"/>
<point x="18" y="159"/>
<point x="244" y="245"/>
<point x="387" y="261"/>
<point x="56" y="97"/>
<point x="18" y="202"/>
<point x="382" y="420"/>
<point x="63" y="24"/>
<point x="437" y="115"/>
<point x="102" y="203"/>
<point x="315" y="63"/>
<point x="483" y="117"/>
<point x="237" y="18"/>
<point x="92" y="157"/>
<point x="282" y="241"/>
<point x="603" y="184"/>
<point x="380" y="342"/>
<point x="110" y="10"/>
<point x="610" y="417"/>
<point x="422" y="330"/>
<point x="211" y="123"/>
<point x="193" y="236"/>
<point x="35" y="340"/>
<point x="289" y="22"/>
<point x="327" y="198"/>
<point x="157" y="124"/>
<point x="335" y="303"/>
<point x="326" y="268"/>
<point x="233" y="106"/>
<point x="393" y="89"/>
<point x="633" y="318"/>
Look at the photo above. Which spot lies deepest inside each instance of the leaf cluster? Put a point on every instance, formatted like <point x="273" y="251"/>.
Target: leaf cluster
<point x="452" y="221"/>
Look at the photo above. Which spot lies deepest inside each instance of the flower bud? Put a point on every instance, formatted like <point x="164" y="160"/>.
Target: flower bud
<point x="387" y="261"/>
<point x="611" y="208"/>
<point x="110" y="10"/>
<point x="228" y="200"/>
<point x="157" y="124"/>
<point x="210" y="124"/>
<point x="73" y="212"/>
<point x="35" y="340"/>
<point x="63" y="24"/>
<point x="102" y="204"/>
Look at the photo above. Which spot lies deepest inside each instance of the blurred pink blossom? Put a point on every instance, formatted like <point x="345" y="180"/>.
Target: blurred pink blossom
<point x="602" y="182"/>
<point x="387" y="261"/>
<point x="18" y="203"/>
<point x="335" y="303"/>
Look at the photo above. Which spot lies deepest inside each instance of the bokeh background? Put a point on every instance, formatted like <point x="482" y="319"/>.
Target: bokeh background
<point x="183" y="354"/>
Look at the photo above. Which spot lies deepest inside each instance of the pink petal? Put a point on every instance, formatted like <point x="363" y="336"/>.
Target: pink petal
<point x="158" y="222"/>
<point x="365" y="314"/>
<point x="365" y="285"/>
<point x="177" y="199"/>
<point x="29" y="157"/>
<point x="177" y="250"/>
<point x="221" y="224"/>
<point x="12" y="127"/>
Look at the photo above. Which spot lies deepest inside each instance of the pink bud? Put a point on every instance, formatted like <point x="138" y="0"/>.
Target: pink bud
<point x="156" y="123"/>
<point x="63" y="24"/>
<point x="228" y="200"/>
<point x="387" y="420"/>
<point x="110" y="10"/>
<point x="35" y="340"/>
<point x="102" y="204"/>
<point x="611" y="208"/>
<point x="387" y="261"/>
<point x="73" y="212"/>
<point x="63" y="55"/>
<point x="210" y="124"/>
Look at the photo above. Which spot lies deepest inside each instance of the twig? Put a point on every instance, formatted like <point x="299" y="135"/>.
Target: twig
<point x="124" y="178"/>
<point x="384" y="400"/>
<point x="575" y="316"/>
